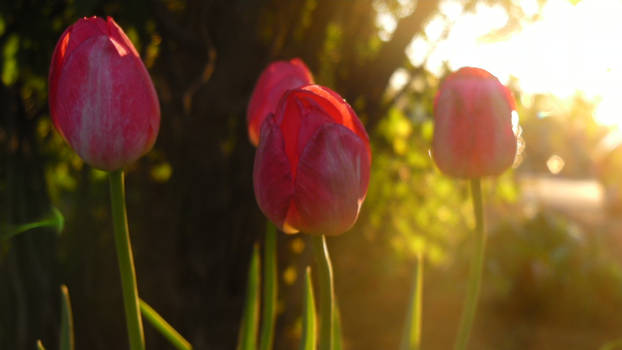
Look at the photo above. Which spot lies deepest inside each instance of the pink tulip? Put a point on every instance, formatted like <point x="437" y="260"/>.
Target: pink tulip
<point x="312" y="164"/>
<point x="473" y="134"/>
<point x="273" y="82"/>
<point x="102" y="100"/>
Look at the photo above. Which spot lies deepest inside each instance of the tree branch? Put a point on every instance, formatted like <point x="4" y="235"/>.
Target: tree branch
<point x="391" y="56"/>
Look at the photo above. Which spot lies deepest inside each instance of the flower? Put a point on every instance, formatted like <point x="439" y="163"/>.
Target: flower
<point x="101" y="98"/>
<point x="273" y="82"/>
<point x="473" y="135"/>
<point x="312" y="164"/>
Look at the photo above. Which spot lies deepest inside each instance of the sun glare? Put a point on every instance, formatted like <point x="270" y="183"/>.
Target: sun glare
<point x="570" y="48"/>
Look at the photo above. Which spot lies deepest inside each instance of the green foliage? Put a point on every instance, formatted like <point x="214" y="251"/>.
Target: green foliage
<point x="159" y="323"/>
<point x="10" y="69"/>
<point x="550" y="258"/>
<point x="411" y="336"/>
<point x="269" y="291"/>
<point x="248" y="326"/>
<point x="409" y="201"/>
<point x="66" y="323"/>
<point x="308" y="339"/>
<point x="54" y="220"/>
<point x="330" y="54"/>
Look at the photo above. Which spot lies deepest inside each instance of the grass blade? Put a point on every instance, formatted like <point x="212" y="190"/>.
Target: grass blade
<point x="308" y="339"/>
<point x="248" y="329"/>
<point x="40" y="345"/>
<point x="411" y="338"/>
<point x="269" y="289"/>
<point x="54" y="220"/>
<point x="66" y="321"/>
<point x="159" y="323"/>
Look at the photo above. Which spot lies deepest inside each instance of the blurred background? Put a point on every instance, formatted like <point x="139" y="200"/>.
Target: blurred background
<point x="553" y="271"/>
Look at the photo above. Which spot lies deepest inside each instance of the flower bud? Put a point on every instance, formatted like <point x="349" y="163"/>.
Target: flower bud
<point x="312" y="164"/>
<point x="273" y="82"/>
<point x="101" y="98"/>
<point x="473" y="135"/>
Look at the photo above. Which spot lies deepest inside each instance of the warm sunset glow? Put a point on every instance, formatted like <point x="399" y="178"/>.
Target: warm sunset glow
<point x="555" y="164"/>
<point x="570" y="48"/>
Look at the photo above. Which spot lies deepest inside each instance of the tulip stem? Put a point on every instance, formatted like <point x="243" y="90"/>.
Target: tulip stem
<point x="325" y="276"/>
<point x="269" y="289"/>
<point x="126" y="262"/>
<point x="476" y="269"/>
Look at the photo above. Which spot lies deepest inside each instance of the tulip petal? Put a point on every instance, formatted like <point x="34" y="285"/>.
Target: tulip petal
<point x="300" y="125"/>
<point x="473" y="134"/>
<point x="302" y="111"/>
<point x="339" y="110"/>
<point x="333" y="174"/>
<point x="119" y="36"/>
<point x="272" y="179"/>
<point x="74" y="36"/>
<point x="273" y="82"/>
<point x="105" y="104"/>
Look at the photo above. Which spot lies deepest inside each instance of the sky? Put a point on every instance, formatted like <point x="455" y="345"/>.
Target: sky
<point x="572" y="47"/>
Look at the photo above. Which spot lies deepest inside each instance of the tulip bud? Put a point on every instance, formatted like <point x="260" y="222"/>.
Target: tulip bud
<point x="102" y="100"/>
<point x="273" y="82"/>
<point x="473" y="135"/>
<point x="312" y="164"/>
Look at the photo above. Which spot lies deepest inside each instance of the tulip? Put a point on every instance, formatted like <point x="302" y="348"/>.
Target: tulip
<point x="473" y="135"/>
<point x="103" y="103"/>
<point x="273" y="82"/>
<point x="102" y="100"/>
<point x="312" y="164"/>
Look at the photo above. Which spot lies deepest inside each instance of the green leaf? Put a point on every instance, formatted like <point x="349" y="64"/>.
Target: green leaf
<point x="66" y="321"/>
<point x="269" y="289"/>
<point x="248" y="329"/>
<point x="308" y="340"/>
<point x="40" y="345"/>
<point x="163" y="327"/>
<point x="411" y="337"/>
<point x="54" y="220"/>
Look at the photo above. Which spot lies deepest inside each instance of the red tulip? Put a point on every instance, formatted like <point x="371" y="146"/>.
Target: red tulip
<point x="312" y="164"/>
<point x="273" y="82"/>
<point x="102" y="100"/>
<point x="473" y="134"/>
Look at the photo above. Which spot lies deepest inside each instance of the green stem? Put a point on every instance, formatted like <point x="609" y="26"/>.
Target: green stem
<point x="411" y="339"/>
<point x="126" y="262"/>
<point x="476" y="269"/>
<point x="269" y="289"/>
<point x="247" y="338"/>
<point x="164" y="327"/>
<point x="325" y="276"/>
